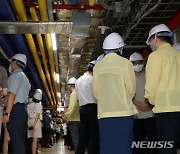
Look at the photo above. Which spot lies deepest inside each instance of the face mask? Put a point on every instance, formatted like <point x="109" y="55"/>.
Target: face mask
<point x="153" y="48"/>
<point x="10" y="69"/>
<point x="138" y="68"/>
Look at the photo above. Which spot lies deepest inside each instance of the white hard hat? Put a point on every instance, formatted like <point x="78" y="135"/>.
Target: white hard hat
<point x="135" y="56"/>
<point x="71" y="81"/>
<point x="38" y="94"/>
<point x="113" y="41"/>
<point x="20" y="57"/>
<point x="157" y="29"/>
<point x="100" y="57"/>
<point x="48" y="111"/>
<point x="177" y="46"/>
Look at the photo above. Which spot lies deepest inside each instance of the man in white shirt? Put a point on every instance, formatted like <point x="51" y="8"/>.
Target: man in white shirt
<point x="89" y="132"/>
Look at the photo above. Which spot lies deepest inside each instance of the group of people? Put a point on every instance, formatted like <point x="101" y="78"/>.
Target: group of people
<point x="120" y="101"/>
<point x="17" y="117"/>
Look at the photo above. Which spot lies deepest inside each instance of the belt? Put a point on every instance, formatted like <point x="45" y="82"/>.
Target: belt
<point x="19" y="103"/>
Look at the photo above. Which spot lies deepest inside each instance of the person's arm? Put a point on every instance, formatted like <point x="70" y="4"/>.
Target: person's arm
<point x="129" y="78"/>
<point x="72" y="105"/>
<point x="13" y="87"/>
<point x="9" y="107"/>
<point x="77" y="89"/>
<point x="153" y="71"/>
<point x="36" y="119"/>
<point x="4" y="90"/>
<point x="94" y="82"/>
<point x="38" y="112"/>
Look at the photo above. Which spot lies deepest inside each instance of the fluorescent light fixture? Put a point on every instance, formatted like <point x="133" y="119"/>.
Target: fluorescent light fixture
<point x="54" y="43"/>
<point x="59" y="94"/>
<point x="57" y="77"/>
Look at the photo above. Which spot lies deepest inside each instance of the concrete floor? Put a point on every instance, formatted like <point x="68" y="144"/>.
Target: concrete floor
<point x="59" y="148"/>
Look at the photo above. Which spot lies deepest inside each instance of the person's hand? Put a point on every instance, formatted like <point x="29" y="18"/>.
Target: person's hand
<point x="5" y="119"/>
<point x="65" y="119"/>
<point x="143" y="107"/>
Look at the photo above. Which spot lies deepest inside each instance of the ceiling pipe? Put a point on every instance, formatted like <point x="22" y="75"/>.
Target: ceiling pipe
<point x="44" y="17"/>
<point x="92" y="2"/>
<point x="18" y="43"/>
<point x="70" y="6"/>
<point x="22" y="17"/>
<point x="42" y="50"/>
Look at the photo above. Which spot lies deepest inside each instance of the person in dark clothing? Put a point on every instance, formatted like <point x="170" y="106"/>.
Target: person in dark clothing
<point x="47" y="128"/>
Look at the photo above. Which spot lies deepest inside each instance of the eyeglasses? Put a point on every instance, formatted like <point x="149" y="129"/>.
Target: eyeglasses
<point x="137" y="62"/>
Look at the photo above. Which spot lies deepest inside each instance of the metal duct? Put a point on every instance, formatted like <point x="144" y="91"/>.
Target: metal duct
<point x="44" y="17"/>
<point x="22" y="16"/>
<point x="32" y="27"/>
<point x="41" y="46"/>
<point x="6" y="13"/>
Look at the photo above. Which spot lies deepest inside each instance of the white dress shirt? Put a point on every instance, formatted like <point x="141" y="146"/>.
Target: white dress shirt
<point x="84" y="89"/>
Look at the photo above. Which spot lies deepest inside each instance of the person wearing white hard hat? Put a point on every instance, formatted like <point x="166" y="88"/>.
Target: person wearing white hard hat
<point x="162" y="86"/>
<point x="144" y="120"/>
<point x="114" y="88"/>
<point x="16" y="113"/>
<point x="89" y="132"/>
<point x="72" y="113"/>
<point x="34" y="109"/>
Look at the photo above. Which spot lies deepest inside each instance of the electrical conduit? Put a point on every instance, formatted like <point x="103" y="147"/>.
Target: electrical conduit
<point x="44" y="17"/>
<point x="41" y="46"/>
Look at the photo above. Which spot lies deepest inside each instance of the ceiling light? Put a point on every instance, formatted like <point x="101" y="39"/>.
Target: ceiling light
<point x="54" y="43"/>
<point x="57" y="77"/>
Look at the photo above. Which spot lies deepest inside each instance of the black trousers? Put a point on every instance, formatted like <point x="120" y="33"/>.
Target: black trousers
<point x="89" y="130"/>
<point x="17" y="127"/>
<point x="47" y="134"/>
<point x="144" y="130"/>
<point x="168" y="129"/>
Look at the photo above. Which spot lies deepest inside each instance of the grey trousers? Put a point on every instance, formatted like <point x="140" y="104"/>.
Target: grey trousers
<point x="74" y="130"/>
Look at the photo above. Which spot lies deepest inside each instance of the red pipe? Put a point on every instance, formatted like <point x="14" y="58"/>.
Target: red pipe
<point x="30" y="4"/>
<point x="69" y="6"/>
<point x="77" y="7"/>
<point x="174" y="23"/>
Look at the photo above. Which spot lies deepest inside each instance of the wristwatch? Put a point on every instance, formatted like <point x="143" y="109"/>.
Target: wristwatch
<point x="7" y="114"/>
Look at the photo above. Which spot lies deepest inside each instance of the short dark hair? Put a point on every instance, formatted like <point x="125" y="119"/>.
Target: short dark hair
<point x="165" y="39"/>
<point x="164" y="36"/>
